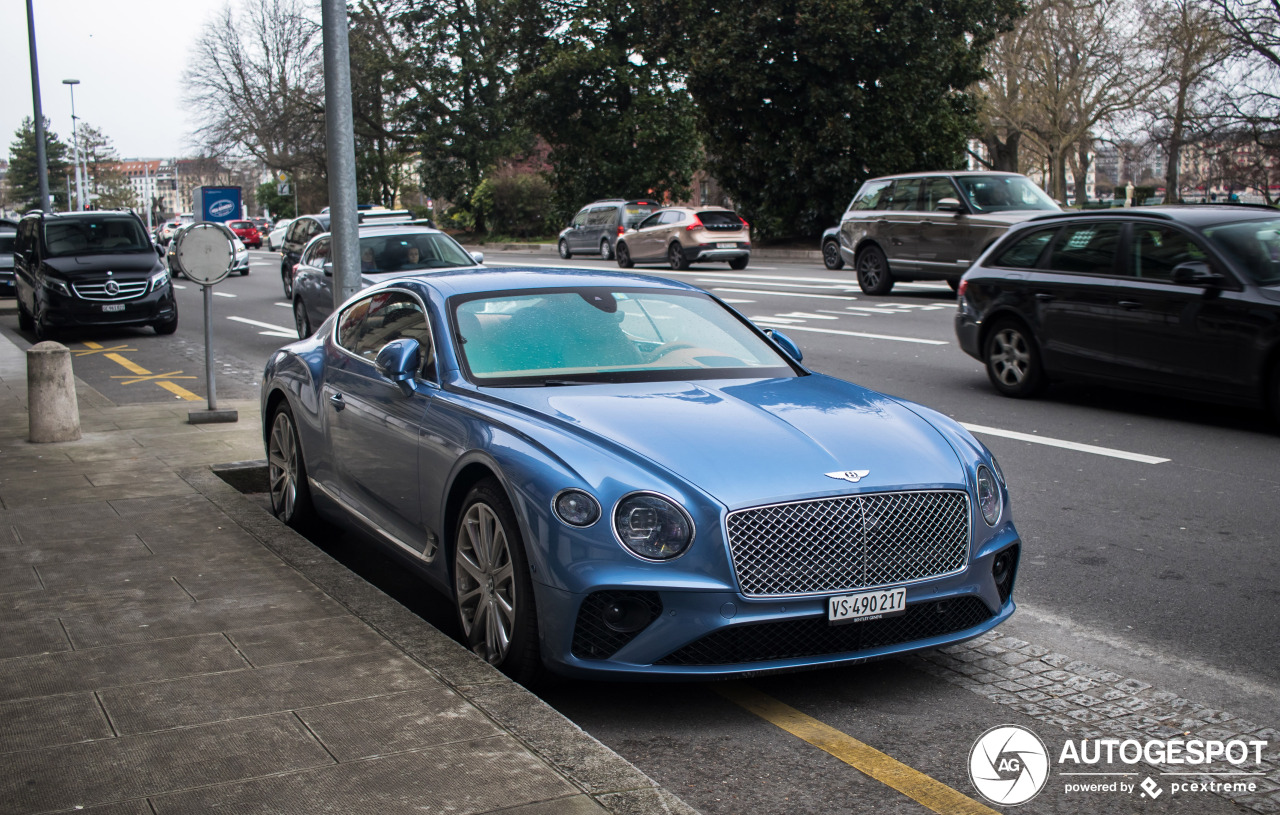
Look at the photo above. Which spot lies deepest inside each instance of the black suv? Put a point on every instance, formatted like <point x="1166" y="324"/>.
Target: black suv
<point x="1179" y="299"/>
<point x="90" y="268"/>
<point x="596" y="227"/>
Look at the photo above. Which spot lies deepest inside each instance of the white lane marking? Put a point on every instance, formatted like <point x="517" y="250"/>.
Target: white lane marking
<point x="735" y="302"/>
<point x="288" y="335"/>
<point x="222" y="294"/>
<point x="788" y="294"/>
<point x="933" y="285"/>
<point x="291" y="332"/>
<point x="867" y="336"/>
<point x="804" y="315"/>
<point x="764" y="277"/>
<point x="825" y="287"/>
<point x="870" y="310"/>
<point x="177" y="286"/>
<point x="1067" y="445"/>
<point x="765" y="318"/>
<point x="283" y="305"/>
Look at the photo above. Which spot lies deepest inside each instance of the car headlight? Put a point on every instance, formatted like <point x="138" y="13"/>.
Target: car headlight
<point x="53" y="284"/>
<point x="159" y="280"/>
<point x="576" y="508"/>
<point x="652" y="527"/>
<point x="989" y="496"/>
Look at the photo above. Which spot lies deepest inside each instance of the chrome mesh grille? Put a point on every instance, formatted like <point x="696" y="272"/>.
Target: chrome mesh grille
<point x="852" y="542"/>
<point x="124" y="290"/>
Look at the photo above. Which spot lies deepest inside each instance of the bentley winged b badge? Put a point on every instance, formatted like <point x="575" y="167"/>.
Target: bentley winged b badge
<point x="849" y="475"/>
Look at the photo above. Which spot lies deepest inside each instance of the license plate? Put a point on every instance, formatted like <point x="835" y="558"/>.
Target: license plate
<point x="113" y="307"/>
<point x="726" y="246"/>
<point x="867" y="605"/>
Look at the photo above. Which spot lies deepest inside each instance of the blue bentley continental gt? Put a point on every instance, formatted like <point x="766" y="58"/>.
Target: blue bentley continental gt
<point x="614" y="475"/>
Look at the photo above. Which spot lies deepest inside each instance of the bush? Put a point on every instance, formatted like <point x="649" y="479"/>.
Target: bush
<point x="513" y="202"/>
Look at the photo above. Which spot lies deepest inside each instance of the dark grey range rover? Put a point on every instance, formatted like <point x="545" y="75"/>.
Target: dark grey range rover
<point x="928" y="226"/>
<point x="90" y="268"/>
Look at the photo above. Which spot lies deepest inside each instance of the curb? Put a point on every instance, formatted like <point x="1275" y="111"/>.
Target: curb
<point x="612" y="781"/>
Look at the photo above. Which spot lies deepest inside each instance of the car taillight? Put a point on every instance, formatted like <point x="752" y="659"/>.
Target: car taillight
<point x="744" y="222"/>
<point x="621" y="229"/>
<point x="964" y="284"/>
<point x="697" y="224"/>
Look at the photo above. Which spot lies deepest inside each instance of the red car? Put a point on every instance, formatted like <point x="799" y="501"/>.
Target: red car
<point x="247" y="232"/>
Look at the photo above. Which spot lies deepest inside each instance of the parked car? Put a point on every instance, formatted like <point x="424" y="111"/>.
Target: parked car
<point x="684" y="235"/>
<point x="930" y="226"/>
<point x="386" y="251"/>
<point x="1176" y="299"/>
<point x="306" y="227"/>
<point x="90" y="268"/>
<point x="8" y="236"/>
<point x="246" y="231"/>
<point x="562" y="454"/>
<point x="239" y="266"/>
<point x="276" y="236"/>
<point x="597" y="226"/>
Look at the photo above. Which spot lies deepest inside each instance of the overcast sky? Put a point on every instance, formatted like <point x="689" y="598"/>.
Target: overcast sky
<point x="129" y="56"/>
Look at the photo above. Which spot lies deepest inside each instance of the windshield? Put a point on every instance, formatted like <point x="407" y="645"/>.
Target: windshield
<point x="608" y="335"/>
<point x="634" y="213"/>
<point x="1253" y="245"/>
<point x="400" y="253"/>
<point x="105" y="234"/>
<point x="1002" y="193"/>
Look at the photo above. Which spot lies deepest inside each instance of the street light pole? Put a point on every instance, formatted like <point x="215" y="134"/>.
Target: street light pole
<point x="42" y="168"/>
<point x="75" y="143"/>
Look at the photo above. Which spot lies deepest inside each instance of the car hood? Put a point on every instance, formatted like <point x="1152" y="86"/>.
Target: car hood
<point x="1010" y="217"/>
<point x="758" y="441"/>
<point x="99" y="264"/>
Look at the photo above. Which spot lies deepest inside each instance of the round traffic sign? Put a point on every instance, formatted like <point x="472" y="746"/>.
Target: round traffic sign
<point x="205" y="252"/>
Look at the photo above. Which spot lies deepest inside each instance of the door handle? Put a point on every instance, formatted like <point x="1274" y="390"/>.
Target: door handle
<point x="337" y="401"/>
<point x="1044" y="296"/>
<point x="1130" y="304"/>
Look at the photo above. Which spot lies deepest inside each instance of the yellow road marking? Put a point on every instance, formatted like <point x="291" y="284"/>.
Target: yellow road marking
<point x="140" y="374"/>
<point x="889" y="771"/>
<point x="94" y="348"/>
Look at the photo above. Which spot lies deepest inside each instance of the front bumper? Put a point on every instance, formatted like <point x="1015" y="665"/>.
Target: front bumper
<point x="154" y="307"/>
<point x="704" y="634"/>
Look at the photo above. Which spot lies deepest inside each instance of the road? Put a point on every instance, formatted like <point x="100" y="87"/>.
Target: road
<point x="1149" y="551"/>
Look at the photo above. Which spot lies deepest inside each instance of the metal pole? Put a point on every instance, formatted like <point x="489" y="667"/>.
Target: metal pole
<point x="208" y="346"/>
<point x="146" y="191"/>
<point x="42" y="169"/>
<point x="75" y="144"/>
<point x="340" y="130"/>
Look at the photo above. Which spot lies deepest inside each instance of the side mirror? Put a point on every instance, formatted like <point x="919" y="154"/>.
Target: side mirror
<point x="785" y="343"/>
<point x="1196" y="273"/>
<point x="478" y="257"/>
<point x="950" y="205"/>
<point x="159" y="249"/>
<point x="327" y="268"/>
<point x="397" y="361"/>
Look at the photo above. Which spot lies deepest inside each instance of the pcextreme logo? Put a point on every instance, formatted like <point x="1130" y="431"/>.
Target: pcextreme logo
<point x="1008" y="765"/>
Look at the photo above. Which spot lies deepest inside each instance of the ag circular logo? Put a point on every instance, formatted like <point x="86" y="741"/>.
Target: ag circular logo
<point x="1009" y="765"/>
<point x="222" y="208"/>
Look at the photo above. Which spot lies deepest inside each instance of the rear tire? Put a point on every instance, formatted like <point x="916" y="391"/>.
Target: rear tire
<point x="738" y="264"/>
<point x="873" y="271"/>
<point x="831" y="255"/>
<point x="287" y="472"/>
<point x="624" y="256"/>
<point x="606" y="252"/>
<point x="286" y="281"/>
<point x="492" y="591"/>
<point x="1273" y="400"/>
<point x="1013" y="360"/>
<point x="564" y="249"/>
<point x="676" y="258"/>
<point x="300" y="319"/>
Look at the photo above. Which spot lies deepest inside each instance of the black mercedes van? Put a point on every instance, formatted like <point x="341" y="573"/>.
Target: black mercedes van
<point x="90" y="268"/>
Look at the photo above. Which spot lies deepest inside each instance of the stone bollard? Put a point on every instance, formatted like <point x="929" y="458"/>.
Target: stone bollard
<point x="52" y="412"/>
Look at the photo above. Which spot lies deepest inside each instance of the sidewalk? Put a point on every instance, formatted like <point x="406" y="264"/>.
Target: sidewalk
<point x="167" y="646"/>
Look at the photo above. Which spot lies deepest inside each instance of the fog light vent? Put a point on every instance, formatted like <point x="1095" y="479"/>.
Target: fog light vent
<point x="608" y="620"/>
<point x="1003" y="568"/>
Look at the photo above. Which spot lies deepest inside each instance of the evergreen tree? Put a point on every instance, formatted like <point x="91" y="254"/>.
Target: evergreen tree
<point x="24" y="183"/>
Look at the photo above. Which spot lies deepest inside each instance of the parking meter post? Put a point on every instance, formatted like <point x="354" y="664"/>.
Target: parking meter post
<point x="208" y="346"/>
<point x="204" y="253"/>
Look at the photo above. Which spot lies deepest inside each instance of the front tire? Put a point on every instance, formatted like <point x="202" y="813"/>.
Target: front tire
<point x="564" y="249"/>
<point x="25" y="321"/>
<point x="831" y="255"/>
<point x="287" y="472"/>
<point x="1013" y="360"/>
<point x="167" y="327"/>
<point x="676" y="258"/>
<point x="873" y="271"/>
<point x="624" y="256"/>
<point x="606" y="252"/>
<point x="493" y="593"/>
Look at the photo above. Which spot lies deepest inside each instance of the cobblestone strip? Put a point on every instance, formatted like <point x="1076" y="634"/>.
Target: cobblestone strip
<point x="1090" y="703"/>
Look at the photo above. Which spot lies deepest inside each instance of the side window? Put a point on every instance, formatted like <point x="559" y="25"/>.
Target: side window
<point x="873" y="195"/>
<point x="1024" y="252"/>
<point x="316" y="253"/>
<point x="581" y="218"/>
<point x="672" y="217"/>
<point x="652" y="220"/>
<point x="906" y="195"/>
<point x="599" y="216"/>
<point x="394" y="315"/>
<point x="1086" y="248"/>
<point x="1157" y="249"/>
<point x="935" y="189"/>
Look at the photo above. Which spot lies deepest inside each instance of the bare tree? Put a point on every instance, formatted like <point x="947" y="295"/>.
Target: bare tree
<point x="257" y="85"/>
<point x="1003" y="114"/>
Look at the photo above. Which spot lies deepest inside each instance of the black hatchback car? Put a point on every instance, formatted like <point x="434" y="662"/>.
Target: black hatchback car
<point x="90" y="268"/>
<point x="1178" y="299"/>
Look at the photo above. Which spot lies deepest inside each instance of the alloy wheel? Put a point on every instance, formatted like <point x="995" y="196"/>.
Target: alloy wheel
<point x="1010" y="358"/>
<point x="300" y="320"/>
<point x="282" y="467"/>
<point x="485" y="583"/>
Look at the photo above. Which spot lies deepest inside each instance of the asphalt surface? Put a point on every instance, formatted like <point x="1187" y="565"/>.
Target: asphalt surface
<point x="1164" y="572"/>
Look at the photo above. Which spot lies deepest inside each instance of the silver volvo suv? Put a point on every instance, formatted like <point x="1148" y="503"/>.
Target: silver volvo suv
<point x="929" y="226"/>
